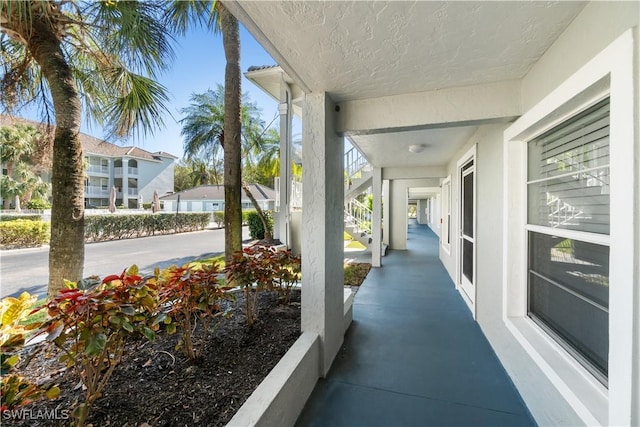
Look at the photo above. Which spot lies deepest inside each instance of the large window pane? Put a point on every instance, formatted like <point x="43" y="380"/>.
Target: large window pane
<point x="569" y="293"/>
<point x="579" y="144"/>
<point x="576" y="202"/>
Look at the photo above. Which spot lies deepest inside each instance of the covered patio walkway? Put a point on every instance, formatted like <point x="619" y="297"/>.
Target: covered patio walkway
<point x="414" y="356"/>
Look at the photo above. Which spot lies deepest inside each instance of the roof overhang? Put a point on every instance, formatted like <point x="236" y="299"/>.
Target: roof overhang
<point x="271" y="79"/>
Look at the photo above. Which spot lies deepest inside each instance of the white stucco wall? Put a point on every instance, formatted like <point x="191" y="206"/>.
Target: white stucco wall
<point x="398" y="208"/>
<point x="593" y="29"/>
<point x="421" y="206"/>
<point x="155" y="176"/>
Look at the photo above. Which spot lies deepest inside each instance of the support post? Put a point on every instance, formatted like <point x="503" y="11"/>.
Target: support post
<point x="285" y="109"/>
<point x="322" y="228"/>
<point x="376" y="221"/>
<point x="386" y="213"/>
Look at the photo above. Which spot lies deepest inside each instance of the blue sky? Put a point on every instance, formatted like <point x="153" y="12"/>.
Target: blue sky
<point x="198" y="66"/>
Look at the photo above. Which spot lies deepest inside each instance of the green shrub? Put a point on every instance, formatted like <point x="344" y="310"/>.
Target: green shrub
<point x="30" y="217"/>
<point x="245" y="216"/>
<point x="256" y="229"/>
<point x="23" y="233"/>
<point x="113" y="227"/>
<point x="38" y="204"/>
<point x="218" y="218"/>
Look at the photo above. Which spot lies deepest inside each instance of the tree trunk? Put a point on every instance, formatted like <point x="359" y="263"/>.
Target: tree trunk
<point x="268" y="235"/>
<point x="66" y="252"/>
<point x="6" y="202"/>
<point x="232" y="129"/>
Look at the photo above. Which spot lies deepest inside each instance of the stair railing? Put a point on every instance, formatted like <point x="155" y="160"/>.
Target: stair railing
<point x="354" y="161"/>
<point x="359" y="214"/>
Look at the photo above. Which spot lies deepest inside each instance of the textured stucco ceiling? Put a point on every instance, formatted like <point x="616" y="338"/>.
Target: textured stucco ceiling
<point x="392" y="149"/>
<point x="366" y="49"/>
<point x="356" y="50"/>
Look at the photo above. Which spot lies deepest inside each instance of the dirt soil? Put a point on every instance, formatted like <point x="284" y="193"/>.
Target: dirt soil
<point x="156" y="385"/>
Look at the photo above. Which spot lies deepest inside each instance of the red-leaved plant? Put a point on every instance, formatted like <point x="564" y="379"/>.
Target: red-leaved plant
<point x="260" y="268"/>
<point x="90" y="320"/>
<point x="189" y="294"/>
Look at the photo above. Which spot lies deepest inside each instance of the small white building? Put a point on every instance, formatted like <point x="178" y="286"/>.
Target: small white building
<point x="210" y="198"/>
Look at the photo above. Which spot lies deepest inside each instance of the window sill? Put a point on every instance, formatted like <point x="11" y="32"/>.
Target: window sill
<point x="583" y="392"/>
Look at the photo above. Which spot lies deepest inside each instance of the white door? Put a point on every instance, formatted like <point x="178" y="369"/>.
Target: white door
<point x="467" y="222"/>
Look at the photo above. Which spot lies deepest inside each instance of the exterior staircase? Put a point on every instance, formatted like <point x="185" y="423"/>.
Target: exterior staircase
<point x="357" y="216"/>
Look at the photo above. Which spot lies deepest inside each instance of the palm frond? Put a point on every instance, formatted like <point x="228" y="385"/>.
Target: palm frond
<point x="138" y="104"/>
<point x="133" y="31"/>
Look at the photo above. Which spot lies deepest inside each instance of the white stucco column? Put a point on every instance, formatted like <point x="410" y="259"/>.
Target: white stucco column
<point x="376" y="220"/>
<point x="398" y="200"/>
<point x="125" y="183"/>
<point x="322" y="227"/>
<point x="282" y="231"/>
<point x="386" y="212"/>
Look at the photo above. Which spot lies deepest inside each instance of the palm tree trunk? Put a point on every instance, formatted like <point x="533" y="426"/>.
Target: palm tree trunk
<point x="232" y="129"/>
<point x="268" y="235"/>
<point x="66" y="253"/>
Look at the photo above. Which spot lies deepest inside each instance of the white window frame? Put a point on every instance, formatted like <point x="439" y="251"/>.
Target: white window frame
<point x="610" y="73"/>
<point x="445" y="209"/>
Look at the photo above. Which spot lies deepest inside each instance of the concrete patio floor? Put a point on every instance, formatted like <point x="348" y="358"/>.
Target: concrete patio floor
<point x="414" y="356"/>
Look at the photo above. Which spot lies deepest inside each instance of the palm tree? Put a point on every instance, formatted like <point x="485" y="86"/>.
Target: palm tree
<point x="16" y="145"/>
<point x="66" y="56"/>
<point x="213" y="14"/>
<point x="203" y="128"/>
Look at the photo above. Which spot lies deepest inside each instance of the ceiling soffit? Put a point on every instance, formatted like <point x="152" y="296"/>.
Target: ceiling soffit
<point x="361" y="50"/>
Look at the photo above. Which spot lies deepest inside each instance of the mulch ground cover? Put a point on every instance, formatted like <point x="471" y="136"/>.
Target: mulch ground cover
<point x="156" y="385"/>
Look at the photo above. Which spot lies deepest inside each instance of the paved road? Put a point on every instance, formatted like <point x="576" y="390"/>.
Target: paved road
<point x="28" y="269"/>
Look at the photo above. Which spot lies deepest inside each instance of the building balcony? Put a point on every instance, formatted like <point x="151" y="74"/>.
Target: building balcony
<point x="96" y="191"/>
<point x="130" y="171"/>
<point x="98" y="170"/>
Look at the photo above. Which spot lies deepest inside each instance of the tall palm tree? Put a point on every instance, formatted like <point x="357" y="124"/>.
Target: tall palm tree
<point x="203" y="128"/>
<point x="66" y="56"/>
<point x="232" y="131"/>
<point x="213" y="14"/>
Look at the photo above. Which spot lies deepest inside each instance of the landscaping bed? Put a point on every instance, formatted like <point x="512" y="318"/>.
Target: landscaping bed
<point x="157" y="385"/>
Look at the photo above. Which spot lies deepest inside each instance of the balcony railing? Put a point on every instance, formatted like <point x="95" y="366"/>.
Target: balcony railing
<point x="130" y="171"/>
<point x="98" y="169"/>
<point x="95" y="191"/>
<point x="295" y="200"/>
<point x="132" y="191"/>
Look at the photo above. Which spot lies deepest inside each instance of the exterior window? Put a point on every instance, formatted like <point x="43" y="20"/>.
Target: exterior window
<point x="568" y="228"/>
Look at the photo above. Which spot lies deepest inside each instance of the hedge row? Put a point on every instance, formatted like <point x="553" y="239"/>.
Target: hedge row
<point x="23" y="233"/>
<point x="29" y="217"/>
<point x="218" y="217"/>
<point x="99" y="228"/>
